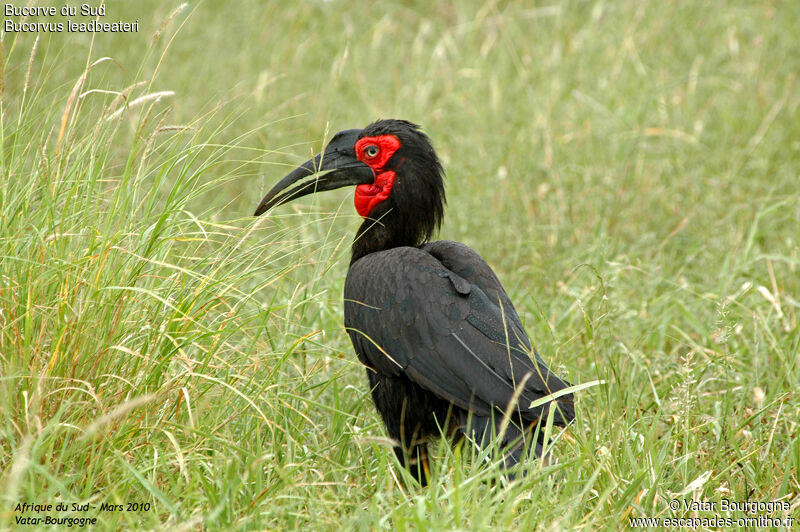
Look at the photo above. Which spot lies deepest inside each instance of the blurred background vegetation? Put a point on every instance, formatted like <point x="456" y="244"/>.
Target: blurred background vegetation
<point x="630" y="169"/>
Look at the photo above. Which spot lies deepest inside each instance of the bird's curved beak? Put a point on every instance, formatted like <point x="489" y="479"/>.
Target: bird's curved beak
<point x="340" y="162"/>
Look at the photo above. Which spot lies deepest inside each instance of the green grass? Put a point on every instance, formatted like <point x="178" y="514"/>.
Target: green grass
<point x="631" y="170"/>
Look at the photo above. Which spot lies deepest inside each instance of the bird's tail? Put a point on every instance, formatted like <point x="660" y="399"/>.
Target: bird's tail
<point x="510" y="442"/>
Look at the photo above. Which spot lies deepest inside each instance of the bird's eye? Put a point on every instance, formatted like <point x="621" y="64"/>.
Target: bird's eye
<point x="371" y="151"/>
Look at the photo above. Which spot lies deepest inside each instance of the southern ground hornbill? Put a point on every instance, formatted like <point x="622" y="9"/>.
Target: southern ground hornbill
<point x="445" y="350"/>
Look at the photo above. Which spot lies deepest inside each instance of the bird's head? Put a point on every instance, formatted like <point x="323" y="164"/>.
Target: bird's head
<point x="398" y="178"/>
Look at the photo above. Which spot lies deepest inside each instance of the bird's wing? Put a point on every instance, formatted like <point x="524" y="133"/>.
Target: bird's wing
<point x="457" y="336"/>
<point x="465" y="262"/>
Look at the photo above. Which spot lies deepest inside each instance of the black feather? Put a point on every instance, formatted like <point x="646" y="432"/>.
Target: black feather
<point x="442" y="348"/>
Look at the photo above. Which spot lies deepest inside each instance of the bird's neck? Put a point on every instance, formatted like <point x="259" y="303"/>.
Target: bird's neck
<point x="378" y="235"/>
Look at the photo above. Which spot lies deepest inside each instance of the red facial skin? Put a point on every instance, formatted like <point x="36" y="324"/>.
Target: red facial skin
<point x="375" y="152"/>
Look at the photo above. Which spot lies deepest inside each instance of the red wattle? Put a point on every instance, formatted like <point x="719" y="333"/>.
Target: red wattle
<point x="368" y="196"/>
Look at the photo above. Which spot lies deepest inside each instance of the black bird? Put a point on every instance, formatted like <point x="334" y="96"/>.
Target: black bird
<point x="444" y="348"/>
